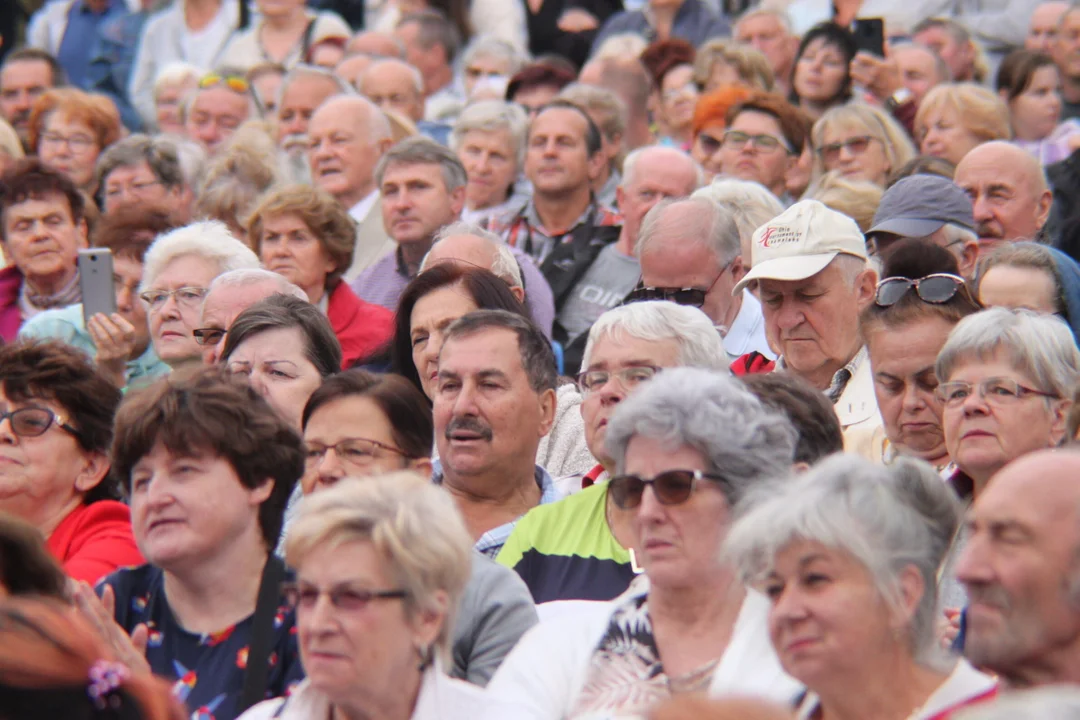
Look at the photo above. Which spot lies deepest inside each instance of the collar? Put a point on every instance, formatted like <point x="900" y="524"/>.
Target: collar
<point x="840" y="378"/>
<point x="400" y="265"/>
<point x="360" y="210"/>
<point x="533" y="218"/>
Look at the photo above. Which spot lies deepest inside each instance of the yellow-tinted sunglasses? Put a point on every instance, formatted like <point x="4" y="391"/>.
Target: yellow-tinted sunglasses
<point x="233" y="82"/>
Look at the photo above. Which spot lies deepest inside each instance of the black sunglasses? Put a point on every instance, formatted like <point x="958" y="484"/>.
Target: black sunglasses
<point x="936" y="289"/>
<point x="671" y="488"/>
<point x="208" y="336"/>
<point x="689" y="296"/>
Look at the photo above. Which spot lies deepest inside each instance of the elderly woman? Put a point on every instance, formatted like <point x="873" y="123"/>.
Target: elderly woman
<point x="821" y="78"/>
<point x="489" y="63"/>
<point x="677" y="480"/>
<point x="489" y="139"/>
<point x="208" y="466"/>
<point x="1030" y="83"/>
<point x="56" y="414"/>
<point x="177" y="272"/>
<point x="861" y="142"/>
<point x="69" y="129"/>
<point x="919" y="301"/>
<point x="848" y="555"/>
<point x="955" y="117"/>
<point x="719" y="63"/>
<point x="671" y="65"/>
<point x="380" y="570"/>
<point x="142" y="170"/>
<point x="171" y="85"/>
<point x="306" y="236"/>
<point x="1026" y="275"/>
<point x="710" y="121"/>
<point x="1005" y="379"/>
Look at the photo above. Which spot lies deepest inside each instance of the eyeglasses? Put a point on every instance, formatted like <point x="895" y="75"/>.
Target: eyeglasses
<point x="137" y="188"/>
<point x="233" y="82"/>
<point x="34" y="421"/>
<point x="188" y="297"/>
<point x="689" y="296"/>
<point x="709" y="144"/>
<point x="687" y="90"/>
<point x="342" y="597"/>
<point x="629" y="377"/>
<point x="855" y="146"/>
<point x="77" y="143"/>
<point x="208" y="336"/>
<point x="995" y="391"/>
<point x="354" y="451"/>
<point x="737" y="140"/>
<point x="671" y="488"/>
<point x="935" y="289"/>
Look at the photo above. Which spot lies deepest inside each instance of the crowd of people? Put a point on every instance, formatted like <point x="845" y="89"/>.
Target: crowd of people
<point x="540" y="360"/>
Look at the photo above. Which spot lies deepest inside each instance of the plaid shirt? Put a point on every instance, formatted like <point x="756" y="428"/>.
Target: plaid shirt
<point x="524" y="229"/>
<point x="383" y="282"/>
<point x="491" y="542"/>
<point x="840" y="379"/>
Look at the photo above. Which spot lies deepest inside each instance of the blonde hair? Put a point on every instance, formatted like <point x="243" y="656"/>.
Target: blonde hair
<point x="10" y="144"/>
<point x="982" y="112"/>
<point x="414" y="526"/>
<point x="620" y="47"/>
<point x="751" y="65"/>
<point x="858" y="199"/>
<point x="899" y="150"/>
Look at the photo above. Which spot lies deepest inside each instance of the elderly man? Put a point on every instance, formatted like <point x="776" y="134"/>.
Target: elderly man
<point x="763" y="142"/>
<point x="494" y="400"/>
<point x="42" y="228"/>
<point x="1008" y="192"/>
<point x="142" y="172"/>
<point x="769" y="31"/>
<point x="811" y="272"/>
<point x="229" y="295"/>
<point x="1044" y="25"/>
<point x="217" y="108"/>
<point x="348" y="137"/>
<point x="920" y="68"/>
<point x="422" y="188"/>
<point x="609" y="113"/>
<point x="1066" y="54"/>
<point x="431" y="43"/>
<point x="303" y="89"/>
<point x="471" y="245"/>
<point x="396" y="85"/>
<point x="952" y="42"/>
<point x="628" y="79"/>
<point x="24" y="77"/>
<point x="1021" y="574"/>
<point x="928" y="207"/>
<point x="690" y="252"/>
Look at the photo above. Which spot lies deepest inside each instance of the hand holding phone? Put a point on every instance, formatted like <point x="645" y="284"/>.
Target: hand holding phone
<point x="96" y="283"/>
<point x="869" y="35"/>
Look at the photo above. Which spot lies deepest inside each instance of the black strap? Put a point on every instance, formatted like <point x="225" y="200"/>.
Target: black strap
<point x="262" y="634"/>
<point x="245" y="16"/>
<point x="305" y="45"/>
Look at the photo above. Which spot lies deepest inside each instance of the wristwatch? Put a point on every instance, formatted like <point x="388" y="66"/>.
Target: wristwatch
<point x="898" y="98"/>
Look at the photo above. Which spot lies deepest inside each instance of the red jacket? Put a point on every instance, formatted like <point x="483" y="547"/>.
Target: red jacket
<point x="10" y="315"/>
<point x="751" y="364"/>
<point x="361" y="327"/>
<point x="95" y="540"/>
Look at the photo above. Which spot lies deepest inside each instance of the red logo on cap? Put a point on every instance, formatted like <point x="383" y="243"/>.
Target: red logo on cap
<point x="766" y="235"/>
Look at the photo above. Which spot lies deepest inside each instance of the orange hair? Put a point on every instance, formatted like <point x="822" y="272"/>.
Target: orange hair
<point x="95" y="111"/>
<point x="712" y="109"/>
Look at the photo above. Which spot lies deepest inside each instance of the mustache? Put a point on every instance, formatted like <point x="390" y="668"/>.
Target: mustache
<point x="993" y="595"/>
<point x="986" y="230"/>
<point x="468" y="424"/>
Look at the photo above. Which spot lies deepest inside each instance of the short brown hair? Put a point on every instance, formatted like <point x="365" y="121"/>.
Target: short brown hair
<point x="538" y="74"/>
<point x="324" y="216"/>
<point x="1017" y="69"/>
<point x="794" y="123"/>
<point x="26" y="566"/>
<point x="96" y="111"/>
<point x="663" y="56"/>
<point x="30" y="179"/>
<point x="810" y="413"/>
<point x="206" y="409"/>
<point x="52" y="370"/>
<point x="130" y="233"/>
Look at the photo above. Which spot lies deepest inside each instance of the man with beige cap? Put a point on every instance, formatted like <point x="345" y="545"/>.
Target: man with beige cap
<point x="810" y="269"/>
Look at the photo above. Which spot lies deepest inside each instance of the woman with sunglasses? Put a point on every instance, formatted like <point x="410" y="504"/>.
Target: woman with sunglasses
<point x="917" y="304"/>
<point x="861" y="142"/>
<point x="56" y="415"/>
<point x="689" y="625"/>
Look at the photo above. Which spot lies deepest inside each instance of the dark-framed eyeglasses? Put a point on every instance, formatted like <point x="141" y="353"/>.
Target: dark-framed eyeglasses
<point x="208" y="336"/>
<point x="689" y="296"/>
<point x="35" y="421"/>
<point x="629" y="377"/>
<point x="301" y="596"/>
<point x="935" y="289"/>
<point x="672" y="487"/>
<point x="354" y="451"/>
<point x="737" y="140"/>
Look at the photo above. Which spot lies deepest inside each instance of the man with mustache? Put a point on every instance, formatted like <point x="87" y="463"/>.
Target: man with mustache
<point x="1021" y="572"/>
<point x="809" y="267"/>
<point x="422" y="188"/>
<point x="303" y="89"/>
<point x="1008" y="192"/>
<point x="24" y="77"/>
<point x="494" y="400"/>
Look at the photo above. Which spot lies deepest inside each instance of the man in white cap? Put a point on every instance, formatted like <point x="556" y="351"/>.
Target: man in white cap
<point x="811" y="273"/>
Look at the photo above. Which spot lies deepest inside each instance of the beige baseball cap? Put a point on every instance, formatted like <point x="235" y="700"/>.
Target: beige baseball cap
<point x="800" y="242"/>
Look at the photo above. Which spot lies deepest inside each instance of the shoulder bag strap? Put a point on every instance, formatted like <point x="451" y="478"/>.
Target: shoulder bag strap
<point x="262" y="634"/>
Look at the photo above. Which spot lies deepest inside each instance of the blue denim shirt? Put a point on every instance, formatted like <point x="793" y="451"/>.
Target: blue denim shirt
<point x="110" y="63"/>
<point x="75" y="49"/>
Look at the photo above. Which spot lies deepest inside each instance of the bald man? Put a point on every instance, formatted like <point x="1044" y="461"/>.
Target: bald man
<point x="348" y="135"/>
<point x="394" y="85"/>
<point x="1044" y="25"/>
<point x="1008" y="191"/>
<point x="1021" y="568"/>
<point x="352" y="67"/>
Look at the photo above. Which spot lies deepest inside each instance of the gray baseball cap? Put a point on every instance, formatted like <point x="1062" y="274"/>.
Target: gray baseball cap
<point x="919" y="205"/>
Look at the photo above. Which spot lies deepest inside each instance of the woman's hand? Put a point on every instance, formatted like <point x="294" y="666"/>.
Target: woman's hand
<point x="130" y="650"/>
<point x="114" y="338"/>
<point x="880" y="76"/>
<point x="577" y="20"/>
<point x="949" y="627"/>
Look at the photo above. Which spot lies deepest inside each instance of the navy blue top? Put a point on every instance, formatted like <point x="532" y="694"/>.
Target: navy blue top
<point x="207" y="670"/>
<point x="80" y="36"/>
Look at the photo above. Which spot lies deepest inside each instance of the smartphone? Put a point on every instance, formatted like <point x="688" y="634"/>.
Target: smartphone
<point x="869" y="35"/>
<point x="96" y="282"/>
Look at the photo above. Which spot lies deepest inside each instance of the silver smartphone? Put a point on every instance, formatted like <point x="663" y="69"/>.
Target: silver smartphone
<point x="96" y="282"/>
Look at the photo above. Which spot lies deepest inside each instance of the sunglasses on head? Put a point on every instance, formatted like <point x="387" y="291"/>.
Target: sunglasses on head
<point x="233" y="82"/>
<point x="671" y="488"/>
<point x="936" y="289"/>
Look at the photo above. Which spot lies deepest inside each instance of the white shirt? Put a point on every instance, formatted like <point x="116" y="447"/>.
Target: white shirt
<point x="201" y="47"/>
<point x="747" y="331"/>
<point x="360" y="210"/>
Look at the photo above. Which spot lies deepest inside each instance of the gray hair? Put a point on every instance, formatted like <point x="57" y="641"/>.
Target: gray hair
<point x="491" y="46"/>
<point x="629" y="166"/>
<point x="417" y="78"/>
<point x="537" y="358"/>
<point x="940" y="66"/>
<point x="491" y="116"/>
<point x="505" y="266"/>
<point x="1042" y="347"/>
<point x="886" y="517"/>
<point x="420" y="150"/>
<point x="656" y="320"/>
<point x="741" y="439"/>
<point x="159" y="153"/>
<point x="721" y="235"/>
<point x="1061" y="702"/>
<point x="304" y="70"/>
<point x="601" y="101"/>
<point x="774" y="12"/>
<point x="209" y="240"/>
<point x="246" y="277"/>
<point x="175" y="73"/>
<point x="192" y="159"/>
<point x="749" y="204"/>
